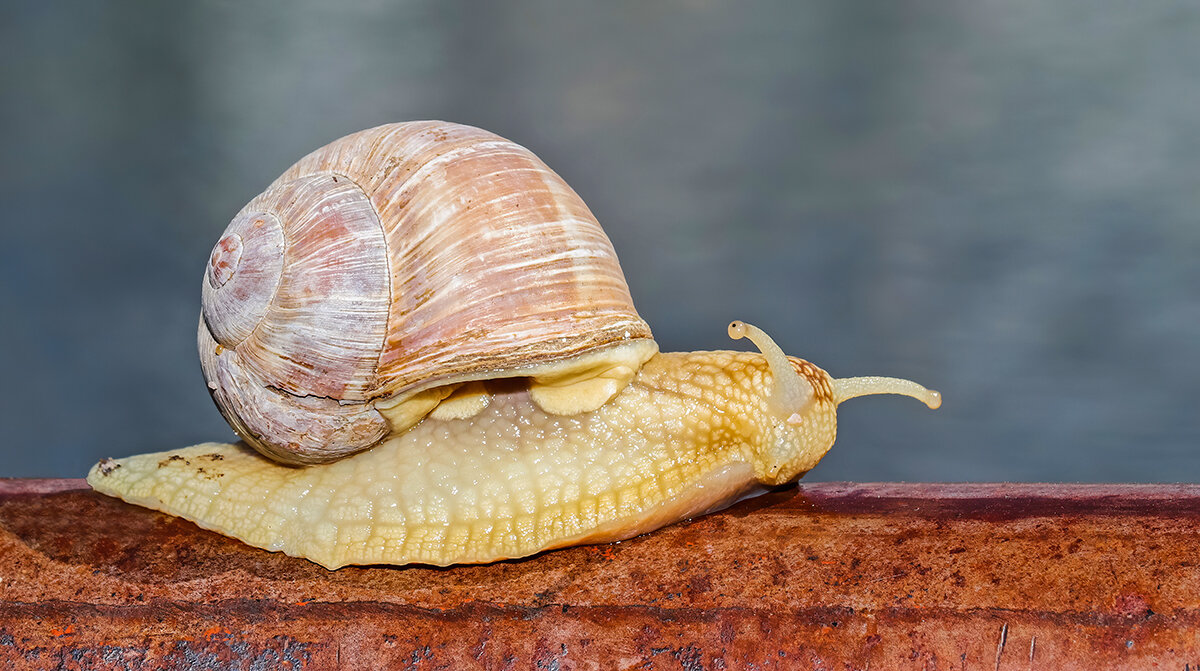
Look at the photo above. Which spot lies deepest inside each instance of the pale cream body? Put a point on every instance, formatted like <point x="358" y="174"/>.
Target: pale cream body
<point x="691" y="432"/>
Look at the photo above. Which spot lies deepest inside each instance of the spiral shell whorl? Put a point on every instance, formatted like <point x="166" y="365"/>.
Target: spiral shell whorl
<point x="296" y="295"/>
<point x="243" y="273"/>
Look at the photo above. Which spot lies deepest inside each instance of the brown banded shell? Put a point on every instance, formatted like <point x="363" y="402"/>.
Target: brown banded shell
<point x="348" y="299"/>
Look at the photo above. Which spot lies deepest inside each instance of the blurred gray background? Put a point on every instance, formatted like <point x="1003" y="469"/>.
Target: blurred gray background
<point x="998" y="199"/>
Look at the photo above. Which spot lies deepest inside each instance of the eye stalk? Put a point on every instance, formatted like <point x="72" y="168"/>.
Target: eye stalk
<point x="789" y="392"/>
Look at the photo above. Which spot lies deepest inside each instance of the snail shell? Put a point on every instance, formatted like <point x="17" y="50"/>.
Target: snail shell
<point x="378" y="273"/>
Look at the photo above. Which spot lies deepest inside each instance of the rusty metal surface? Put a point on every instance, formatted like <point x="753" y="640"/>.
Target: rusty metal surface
<point x="833" y="576"/>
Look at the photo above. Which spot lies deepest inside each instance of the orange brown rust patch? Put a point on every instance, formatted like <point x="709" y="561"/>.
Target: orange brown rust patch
<point x="826" y="575"/>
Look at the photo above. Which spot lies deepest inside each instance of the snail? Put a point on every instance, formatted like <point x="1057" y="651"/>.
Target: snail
<point x="425" y="342"/>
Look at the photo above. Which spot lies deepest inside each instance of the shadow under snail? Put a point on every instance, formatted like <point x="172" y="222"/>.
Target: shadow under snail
<point x="426" y="339"/>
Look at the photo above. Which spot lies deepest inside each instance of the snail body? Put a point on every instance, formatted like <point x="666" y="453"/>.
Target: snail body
<point x="691" y="433"/>
<point x="556" y="436"/>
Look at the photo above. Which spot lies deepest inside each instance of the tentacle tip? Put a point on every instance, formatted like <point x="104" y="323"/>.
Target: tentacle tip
<point x="737" y="329"/>
<point x="933" y="399"/>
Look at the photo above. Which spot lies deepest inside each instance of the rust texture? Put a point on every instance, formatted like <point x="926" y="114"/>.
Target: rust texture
<point x="827" y="576"/>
